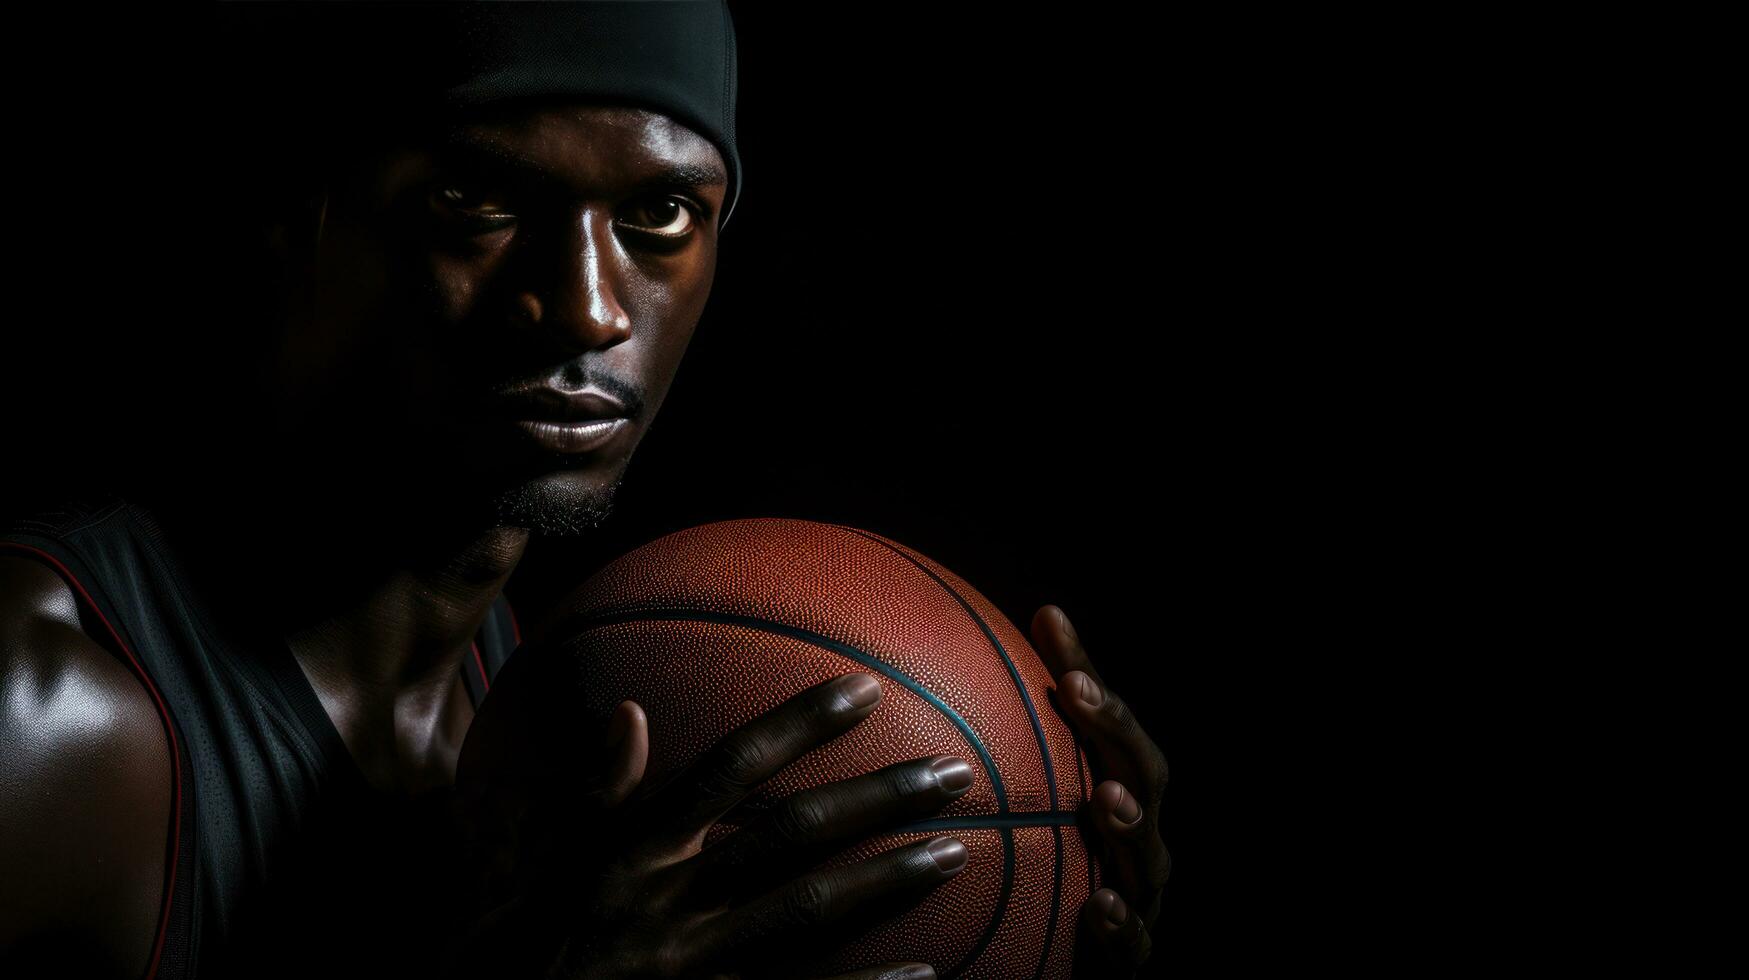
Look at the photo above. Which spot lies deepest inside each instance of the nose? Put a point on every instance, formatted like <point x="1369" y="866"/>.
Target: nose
<point x="579" y="306"/>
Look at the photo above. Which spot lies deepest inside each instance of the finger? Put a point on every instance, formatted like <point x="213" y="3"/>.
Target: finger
<point x="805" y="828"/>
<point x="818" y="910"/>
<point x="1057" y="643"/>
<point x="1137" y="860"/>
<point x="1081" y="690"/>
<point x="890" y="971"/>
<point x="1114" y="941"/>
<point x="628" y="752"/>
<point x="1124" y="751"/>
<point x="724" y="774"/>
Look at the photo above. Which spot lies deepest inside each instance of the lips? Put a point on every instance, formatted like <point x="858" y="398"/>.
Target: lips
<point x="573" y="437"/>
<point x="552" y="405"/>
<point x="565" y="421"/>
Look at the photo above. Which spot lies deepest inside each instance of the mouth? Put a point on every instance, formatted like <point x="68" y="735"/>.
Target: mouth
<point x="565" y="421"/>
<point x="573" y="437"/>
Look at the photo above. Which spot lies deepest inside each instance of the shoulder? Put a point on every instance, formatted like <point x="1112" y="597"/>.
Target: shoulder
<point x="46" y="636"/>
<point x="87" y="778"/>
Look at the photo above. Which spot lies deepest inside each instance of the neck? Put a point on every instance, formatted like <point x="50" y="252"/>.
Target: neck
<point x="408" y="623"/>
<point x="378" y="598"/>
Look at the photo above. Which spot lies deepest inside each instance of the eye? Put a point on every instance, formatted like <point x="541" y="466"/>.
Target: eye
<point x="668" y="217"/>
<point x="470" y="206"/>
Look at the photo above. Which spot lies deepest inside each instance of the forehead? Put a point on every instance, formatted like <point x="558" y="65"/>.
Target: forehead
<point x="583" y="142"/>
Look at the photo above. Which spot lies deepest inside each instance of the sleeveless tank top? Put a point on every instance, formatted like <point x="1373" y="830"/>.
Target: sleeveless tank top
<point x="269" y="809"/>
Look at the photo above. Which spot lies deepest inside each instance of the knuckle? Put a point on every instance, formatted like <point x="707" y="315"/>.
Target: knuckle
<point x="809" y="901"/>
<point x="914" y="863"/>
<point x="815" y="722"/>
<point x="800" y="818"/>
<point x="737" y="762"/>
<point x="910" y="779"/>
<point x="1133" y="834"/>
<point x="712" y="785"/>
<point x="1119" y="715"/>
<point x="819" y="711"/>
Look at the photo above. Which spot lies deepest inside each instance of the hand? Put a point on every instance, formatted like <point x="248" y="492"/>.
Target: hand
<point x="1115" y="921"/>
<point x="622" y="884"/>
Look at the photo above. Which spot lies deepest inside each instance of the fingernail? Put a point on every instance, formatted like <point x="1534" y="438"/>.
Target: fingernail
<point x="1106" y="900"/>
<point x="952" y="774"/>
<point x="1086" y="690"/>
<point x="1116" y="912"/>
<point x="859" y="690"/>
<point x="948" y="854"/>
<point x="1128" y="810"/>
<point x="914" y="971"/>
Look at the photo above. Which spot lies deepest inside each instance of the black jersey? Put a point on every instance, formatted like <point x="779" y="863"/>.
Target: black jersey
<point x="268" y="803"/>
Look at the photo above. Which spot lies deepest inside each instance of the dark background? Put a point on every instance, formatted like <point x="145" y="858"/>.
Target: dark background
<point x="1111" y="314"/>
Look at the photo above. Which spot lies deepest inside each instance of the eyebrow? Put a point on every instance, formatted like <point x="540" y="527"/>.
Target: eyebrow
<point x="668" y="173"/>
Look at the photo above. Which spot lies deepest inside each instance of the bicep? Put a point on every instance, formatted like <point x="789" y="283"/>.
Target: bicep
<point x="85" y="787"/>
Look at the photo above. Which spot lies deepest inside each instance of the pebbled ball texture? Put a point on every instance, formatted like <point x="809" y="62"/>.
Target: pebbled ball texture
<point x="710" y="626"/>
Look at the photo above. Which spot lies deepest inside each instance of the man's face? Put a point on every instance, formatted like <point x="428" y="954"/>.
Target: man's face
<point x="478" y="299"/>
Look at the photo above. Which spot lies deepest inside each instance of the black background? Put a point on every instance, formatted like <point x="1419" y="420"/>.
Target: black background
<point x="1097" y="311"/>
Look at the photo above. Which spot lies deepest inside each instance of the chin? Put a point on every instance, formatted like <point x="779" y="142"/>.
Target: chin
<point x="560" y="504"/>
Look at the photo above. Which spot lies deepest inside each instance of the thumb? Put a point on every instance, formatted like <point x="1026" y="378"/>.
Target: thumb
<point x="628" y="752"/>
<point x="579" y="781"/>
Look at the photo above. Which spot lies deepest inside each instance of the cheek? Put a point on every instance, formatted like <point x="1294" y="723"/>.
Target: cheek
<point x="452" y="323"/>
<point x="671" y="298"/>
<point x="434" y="296"/>
<point x="685" y="286"/>
<point x="665" y="311"/>
<point x="331" y="348"/>
<point x="454" y="285"/>
<point x="382" y="345"/>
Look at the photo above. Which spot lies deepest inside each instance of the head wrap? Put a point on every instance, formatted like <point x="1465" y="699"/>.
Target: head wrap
<point x="341" y="72"/>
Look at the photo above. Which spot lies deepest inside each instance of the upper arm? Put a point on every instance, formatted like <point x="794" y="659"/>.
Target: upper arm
<point x="86" y="781"/>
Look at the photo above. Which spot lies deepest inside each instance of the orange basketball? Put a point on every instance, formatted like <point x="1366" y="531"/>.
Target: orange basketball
<point x="710" y="626"/>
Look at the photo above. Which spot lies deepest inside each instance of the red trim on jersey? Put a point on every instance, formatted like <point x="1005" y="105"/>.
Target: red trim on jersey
<point x="482" y="665"/>
<point x="515" y="630"/>
<point x="175" y="756"/>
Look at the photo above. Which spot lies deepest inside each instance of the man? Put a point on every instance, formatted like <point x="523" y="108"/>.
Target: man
<point x="235" y="700"/>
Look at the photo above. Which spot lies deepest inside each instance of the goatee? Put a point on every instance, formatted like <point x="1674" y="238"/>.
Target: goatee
<point x="555" y="509"/>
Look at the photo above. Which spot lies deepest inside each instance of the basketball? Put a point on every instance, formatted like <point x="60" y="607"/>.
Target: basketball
<point x="709" y="627"/>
